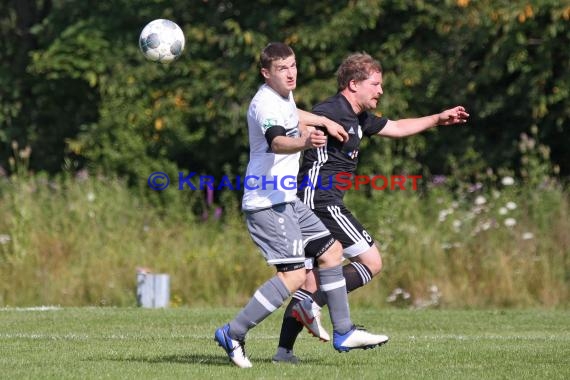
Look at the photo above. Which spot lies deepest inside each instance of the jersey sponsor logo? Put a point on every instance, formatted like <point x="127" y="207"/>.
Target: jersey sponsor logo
<point x="353" y="154"/>
<point x="268" y="123"/>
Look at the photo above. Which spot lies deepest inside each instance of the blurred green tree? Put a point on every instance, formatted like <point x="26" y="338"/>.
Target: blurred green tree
<point x="75" y="88"/>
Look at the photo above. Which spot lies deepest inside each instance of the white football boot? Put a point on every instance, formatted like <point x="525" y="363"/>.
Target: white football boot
<point x="234" y="348"/>
<point x="308" y="313"/>
<point x="357" y="338"/>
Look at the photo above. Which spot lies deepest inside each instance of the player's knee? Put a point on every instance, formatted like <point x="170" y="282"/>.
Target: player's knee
<point x="311" y="284"/>
<point x="332" y="256"/>
<point x="375" y="266"/>
<point x="372" y="259"/>
<point x="297" y="279"/>
<point x="293" y="279"/>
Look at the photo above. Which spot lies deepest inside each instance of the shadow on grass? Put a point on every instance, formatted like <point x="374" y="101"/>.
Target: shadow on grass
<point x="213" y="360"/>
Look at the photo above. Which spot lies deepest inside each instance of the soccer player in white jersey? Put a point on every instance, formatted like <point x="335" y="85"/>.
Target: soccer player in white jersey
<point x="284" y="228"/>
<point x="359" y="80"/>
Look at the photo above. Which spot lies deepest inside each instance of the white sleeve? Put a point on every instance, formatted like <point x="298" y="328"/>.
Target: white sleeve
<point x="267" y="114"/>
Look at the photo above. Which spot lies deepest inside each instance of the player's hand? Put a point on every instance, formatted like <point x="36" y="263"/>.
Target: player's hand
<point x="455" y="115"/>
<point x="316" y="139"/>
<point x="335" y="130"/>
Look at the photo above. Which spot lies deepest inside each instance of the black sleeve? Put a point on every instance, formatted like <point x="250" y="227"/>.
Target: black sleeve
<point x="371" y="124"/>
<point x="273" y="132"/>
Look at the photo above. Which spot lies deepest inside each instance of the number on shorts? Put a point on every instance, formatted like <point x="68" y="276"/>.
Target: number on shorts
<point x="366" y="236"/>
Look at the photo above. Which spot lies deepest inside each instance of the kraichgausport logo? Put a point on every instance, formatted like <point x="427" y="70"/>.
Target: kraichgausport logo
<point x="160" y="181"/>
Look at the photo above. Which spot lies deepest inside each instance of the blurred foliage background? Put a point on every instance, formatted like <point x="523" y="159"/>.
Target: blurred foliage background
<point x="75" y="89"/>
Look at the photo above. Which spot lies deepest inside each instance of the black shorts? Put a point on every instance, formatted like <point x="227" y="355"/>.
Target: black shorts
<point x="345" y="228"/>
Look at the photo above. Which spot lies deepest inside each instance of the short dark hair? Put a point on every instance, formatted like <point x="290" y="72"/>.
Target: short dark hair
<point x="358" y="67"/>
<point x="274" y="51"/>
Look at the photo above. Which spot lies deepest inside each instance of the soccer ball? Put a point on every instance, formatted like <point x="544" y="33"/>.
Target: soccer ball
<point x="161" y="41"/>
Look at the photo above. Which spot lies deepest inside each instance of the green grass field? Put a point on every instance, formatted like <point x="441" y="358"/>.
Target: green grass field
<point x="132" y="343"/>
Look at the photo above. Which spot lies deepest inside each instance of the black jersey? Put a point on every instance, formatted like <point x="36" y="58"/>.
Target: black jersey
<point x="318" y="179"/>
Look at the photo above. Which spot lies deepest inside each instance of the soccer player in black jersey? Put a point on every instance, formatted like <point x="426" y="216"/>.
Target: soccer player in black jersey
<point x="359" y="80"/>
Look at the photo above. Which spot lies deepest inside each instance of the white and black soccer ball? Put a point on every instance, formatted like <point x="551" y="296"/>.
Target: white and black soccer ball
<point x="161" y="41"/>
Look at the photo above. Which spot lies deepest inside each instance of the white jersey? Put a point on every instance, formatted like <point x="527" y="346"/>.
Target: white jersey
<point x="270" y="178"/>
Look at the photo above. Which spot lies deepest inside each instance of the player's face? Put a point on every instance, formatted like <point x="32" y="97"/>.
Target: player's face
<point x="369" y="91"/>
<point x="282" y="75"/>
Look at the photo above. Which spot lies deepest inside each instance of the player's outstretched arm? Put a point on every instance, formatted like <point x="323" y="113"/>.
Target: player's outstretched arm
<point x="408" y="127"/>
